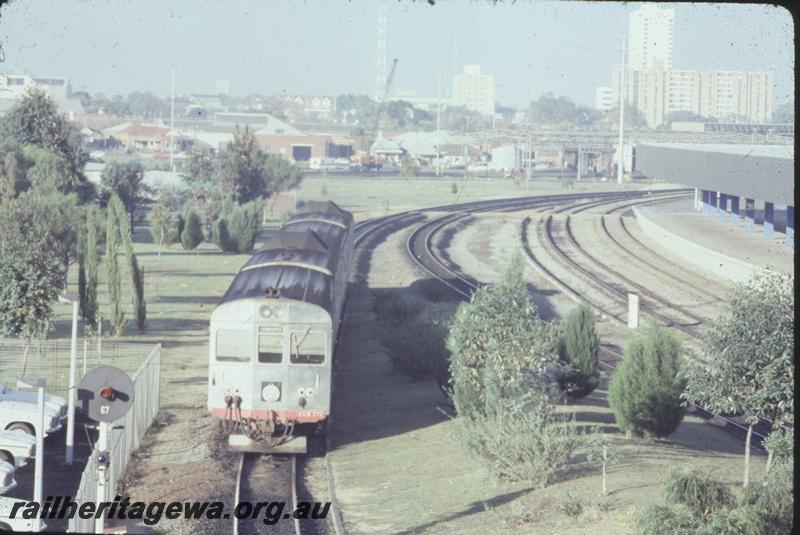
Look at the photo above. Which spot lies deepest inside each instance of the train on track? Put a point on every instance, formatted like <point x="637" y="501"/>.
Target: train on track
<point x="273" y="334"/>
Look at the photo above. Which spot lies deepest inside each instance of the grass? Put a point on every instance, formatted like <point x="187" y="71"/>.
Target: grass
<point x="378" y="194"/>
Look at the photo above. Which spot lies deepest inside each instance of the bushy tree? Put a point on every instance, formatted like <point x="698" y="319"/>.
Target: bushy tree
<point x="577" y="350"/>
<point x="747" y="363"/>
<point x="242" y="167"/>
<point x="645" y="393"/>
<point x="35" y="120"/>
<point x="126" y="180"/>
<point x="32" y="266"/>
<point x="192" y="234"/>
<point x="497" y="330"/>
<point x="280" y="175"/>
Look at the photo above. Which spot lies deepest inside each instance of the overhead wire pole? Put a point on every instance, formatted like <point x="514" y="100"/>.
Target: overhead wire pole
<point x="172" y="121"/>
<point x="620" y="148"/>
<point x="438" y="122"/>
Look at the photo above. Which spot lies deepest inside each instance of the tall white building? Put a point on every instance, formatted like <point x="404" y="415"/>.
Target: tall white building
<point x="473" y="90"/>
<point x="650" y="35"/>
<point x="602" y="98"/>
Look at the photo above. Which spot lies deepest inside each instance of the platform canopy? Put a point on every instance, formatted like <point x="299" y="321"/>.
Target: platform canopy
<point x="763" y="172"/>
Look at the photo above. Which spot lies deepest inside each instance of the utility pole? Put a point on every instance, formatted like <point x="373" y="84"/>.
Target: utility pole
<point x="621" y="116"/>
<point x="528" y="162"/>
<point x="438" y="122"/>
<point x="172" y="122"/>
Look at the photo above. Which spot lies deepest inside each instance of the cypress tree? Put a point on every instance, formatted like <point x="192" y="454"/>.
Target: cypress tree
<point x="137" y="280"/>
<point x="645" y="392"/>
<point x="90" y="305"/>
<point x="192" y="234"/>
<point x="577" y="350"/>
<point x="112" y="266"/>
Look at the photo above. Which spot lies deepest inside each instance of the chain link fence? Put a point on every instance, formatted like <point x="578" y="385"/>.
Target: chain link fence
<point x="49" y="359"/>
<point x="126" y="433"/>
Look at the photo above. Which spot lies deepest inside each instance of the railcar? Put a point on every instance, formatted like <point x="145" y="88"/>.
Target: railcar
<point x="273" y="334"/>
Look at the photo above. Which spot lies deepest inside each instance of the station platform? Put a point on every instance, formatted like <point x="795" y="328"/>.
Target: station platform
<point x="713" y="244"/>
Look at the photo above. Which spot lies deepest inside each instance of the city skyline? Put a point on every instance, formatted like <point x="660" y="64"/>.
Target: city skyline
<point x="331" y="49"/>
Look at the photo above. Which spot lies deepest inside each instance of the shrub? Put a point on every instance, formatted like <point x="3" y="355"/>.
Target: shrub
<point x="572" y="506"/>
<point x="697" y="491"/>
<point x="90" y="305"/>
<point x="577" y="350"/>
<point x="645" y="392"/>
<point x="416" y="347"/>
<point x="454" y="188"/>
<point x="780" y="445"/>
<point x="742" y="521"/>
<point x="497" y="336"/>
<point x="192" y="234"/>
<point x="666" y="520"/>
<point x="530" y="446"/>
<point x="772" y="498"/>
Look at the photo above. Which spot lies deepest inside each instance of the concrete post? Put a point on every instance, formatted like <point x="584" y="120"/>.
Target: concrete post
<point x="734" y="211"/>
<point x="769" y="220"/>
<point x="749" y="209"/>
<point x="722" y="207"/>
<point x="633" y="311"/>
<point x="696" y="199"/>
<point x="790" y="226"/>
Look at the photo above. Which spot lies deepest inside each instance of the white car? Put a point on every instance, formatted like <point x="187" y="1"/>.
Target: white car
<point x="19" y="411"/>
<point x="17" y="448"/>
<point x="7" y="481"/>
<point x="18" y="523"/>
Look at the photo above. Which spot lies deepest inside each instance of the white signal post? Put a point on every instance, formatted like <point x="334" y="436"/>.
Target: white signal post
<point x="39" y="462"/>
<point x="73" y="359"/>
<point x="102" y="473"/>
<point x="621" y="115"/>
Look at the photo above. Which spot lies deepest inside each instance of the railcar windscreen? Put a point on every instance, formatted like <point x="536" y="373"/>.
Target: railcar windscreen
<point x="270" y="345"/>
<point x="308" y="348"/>
<point x="233" y="346"/>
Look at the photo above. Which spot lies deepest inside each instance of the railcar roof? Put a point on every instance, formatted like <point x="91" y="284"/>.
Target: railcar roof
<point x="322" y="211"/>
<point x="298" y="283"/>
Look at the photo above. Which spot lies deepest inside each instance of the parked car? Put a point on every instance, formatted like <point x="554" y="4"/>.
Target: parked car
<point x="18" y="523"/>
<point x="17" y="448"/>
<point x="7" y="481"/>
<point x="19" y="411"/>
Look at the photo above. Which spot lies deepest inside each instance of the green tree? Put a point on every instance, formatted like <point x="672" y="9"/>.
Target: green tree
<point x="164" y="223"/>
<point x="126" y="180"/>
<point x="280" y="175"/>
<point x="577" y="350"/>
<point x="242" y="167"/>
<point x="89" y="311"/>
<point x="137" y="274"/>
<point x="747" y="362"/>
<point x="646" y="389"/>
<point x="192" y="234"/>
<point x="495" y="341"/>
<point x="13" y="168"/>
<point x="35" y="120"/>
<point x="113" y="273"/>
<point x="32" y="270"/>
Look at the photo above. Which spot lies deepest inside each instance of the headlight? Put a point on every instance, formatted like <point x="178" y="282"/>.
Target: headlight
<point x="271" y="392"/>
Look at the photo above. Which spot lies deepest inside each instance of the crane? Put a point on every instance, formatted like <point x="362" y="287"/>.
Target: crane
<point x="371" y="163"/>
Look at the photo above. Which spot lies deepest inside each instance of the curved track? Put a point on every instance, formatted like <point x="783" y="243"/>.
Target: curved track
<point x="432" y="264"/>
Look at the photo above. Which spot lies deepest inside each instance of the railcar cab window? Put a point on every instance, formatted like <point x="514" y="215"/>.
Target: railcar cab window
<point x="232" y="345"/>
<point x="308" y="348"/>
<point x="270" y="345"/>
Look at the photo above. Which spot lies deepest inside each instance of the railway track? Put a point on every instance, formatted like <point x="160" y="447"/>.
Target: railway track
<point x="266" y="478"/>
<point x="610" y="356"/>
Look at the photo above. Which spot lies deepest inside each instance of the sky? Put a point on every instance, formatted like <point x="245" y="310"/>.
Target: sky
<point x="329" y="46"/>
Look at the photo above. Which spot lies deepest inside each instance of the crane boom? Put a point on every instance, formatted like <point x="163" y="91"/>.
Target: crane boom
<point x="383" y="99"/>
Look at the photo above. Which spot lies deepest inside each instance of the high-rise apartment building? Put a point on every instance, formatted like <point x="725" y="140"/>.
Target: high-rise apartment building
<point x="650" y="34"/>
<point x="657" y="89"/>
<point x="473" y="90"/>
<point x="726" y="95"/>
